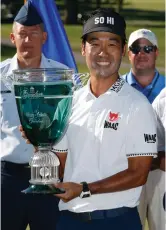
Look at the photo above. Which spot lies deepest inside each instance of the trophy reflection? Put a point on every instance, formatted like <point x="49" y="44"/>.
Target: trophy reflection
<point x="44" y="100"/>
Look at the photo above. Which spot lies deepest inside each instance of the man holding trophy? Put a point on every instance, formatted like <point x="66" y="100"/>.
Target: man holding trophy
<point x="17" y="209"/>
<point x="111" y="137"/>
<point x="110" y="140"/>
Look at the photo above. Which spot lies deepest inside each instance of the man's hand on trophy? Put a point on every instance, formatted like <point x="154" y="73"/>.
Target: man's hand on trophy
<point x="72" y="190"/>
<point x="25" y="137"/>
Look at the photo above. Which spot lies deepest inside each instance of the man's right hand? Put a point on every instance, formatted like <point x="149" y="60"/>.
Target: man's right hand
<point x="25" y="137"/>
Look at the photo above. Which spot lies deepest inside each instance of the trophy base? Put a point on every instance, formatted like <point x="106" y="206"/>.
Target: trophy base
<point x="42" y="189"/>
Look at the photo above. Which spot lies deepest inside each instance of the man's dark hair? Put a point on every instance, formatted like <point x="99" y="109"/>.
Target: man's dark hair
<point x="89" y="15"/>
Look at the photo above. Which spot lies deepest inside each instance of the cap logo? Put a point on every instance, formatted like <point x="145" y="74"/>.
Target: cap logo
<point x="102" y="20"/>
<point x="144" y="32"/>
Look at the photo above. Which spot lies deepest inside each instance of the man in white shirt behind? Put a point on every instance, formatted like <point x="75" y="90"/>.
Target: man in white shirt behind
<point x="17" y="209"/>
<point x="156" y="179"/>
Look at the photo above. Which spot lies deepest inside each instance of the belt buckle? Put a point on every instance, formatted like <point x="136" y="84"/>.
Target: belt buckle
<point x="89" y="216"/>
<point x="27" y="167"/>
<point x="85" y="217"/>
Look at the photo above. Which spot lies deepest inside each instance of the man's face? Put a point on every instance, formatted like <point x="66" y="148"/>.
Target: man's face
<point x="28" y="40"/>
<point x="143" y="61"/>
<point x="103" y="52"/>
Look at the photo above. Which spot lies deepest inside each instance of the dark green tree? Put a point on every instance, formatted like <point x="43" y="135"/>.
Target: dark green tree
<point x="120" y="5"/>
<point x="71" y="11"/>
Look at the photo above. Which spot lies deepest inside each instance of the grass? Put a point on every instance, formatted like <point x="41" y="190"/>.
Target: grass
<point x="74" y="34"/>
<point x="7" y="52"/>
<point x="145" y="5"/>
<point x="148" y="14"/>
<point x="160" y="33"/>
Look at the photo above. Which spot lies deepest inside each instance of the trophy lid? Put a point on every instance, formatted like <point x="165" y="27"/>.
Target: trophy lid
<point x="43" y="74"/>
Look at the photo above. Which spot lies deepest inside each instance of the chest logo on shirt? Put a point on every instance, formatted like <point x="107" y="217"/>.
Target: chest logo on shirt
<point x="111" y="121"/>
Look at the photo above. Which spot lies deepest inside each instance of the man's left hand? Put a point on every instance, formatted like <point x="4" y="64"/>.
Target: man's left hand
<point x="72" y="190"/>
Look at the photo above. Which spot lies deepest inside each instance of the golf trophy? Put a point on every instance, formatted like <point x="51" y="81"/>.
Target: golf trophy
<point x="44" y="100"/>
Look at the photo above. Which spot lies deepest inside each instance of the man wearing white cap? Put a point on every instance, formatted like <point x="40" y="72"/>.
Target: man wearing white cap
<point x="143" y="52"/>
<point x="143" y="76"/>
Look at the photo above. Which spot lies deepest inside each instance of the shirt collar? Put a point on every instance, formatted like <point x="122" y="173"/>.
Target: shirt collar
<point x="114" y="89"/>
<point x="43" y="61"/>
<point x="154" y="79"/>
<point x="14" y="63"/>
<point x="88" y="92"/>
<point x="132" y="81"/>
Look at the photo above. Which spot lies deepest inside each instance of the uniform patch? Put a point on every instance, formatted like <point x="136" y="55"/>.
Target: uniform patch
<point x="113" y="116"/>
<point x="111" y="121"/>
<point x="5" y="91"/>
<point x="150" y="138"/>
<point x="111" y="125"/>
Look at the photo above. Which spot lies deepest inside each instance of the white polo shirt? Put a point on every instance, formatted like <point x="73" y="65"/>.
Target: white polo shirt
<point x="103" y="132"/>
<point x="13" y="146"/>
<point x="159" y="106"/>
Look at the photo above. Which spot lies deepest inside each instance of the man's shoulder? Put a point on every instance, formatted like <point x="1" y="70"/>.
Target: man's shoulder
<point x="136" y="101"/>
<point x="162" y="79"/>
<point x="80" y="93"/>
<point x="161" y="75"/>
<point x="55" y="64"/>
<point x="159" y="85"/>
<point x="134" y="94"/>
<point x="4" y="67"/>
<point x="159" y="104"/>
<point x="5" y="64"/>
<point x="161" y="96"/>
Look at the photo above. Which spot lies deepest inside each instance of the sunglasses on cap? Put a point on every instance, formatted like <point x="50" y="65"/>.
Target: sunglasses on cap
<point x="146" y="49"/>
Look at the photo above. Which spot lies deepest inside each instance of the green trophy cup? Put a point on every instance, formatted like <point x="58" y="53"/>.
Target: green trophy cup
<point x="44" y="100"/>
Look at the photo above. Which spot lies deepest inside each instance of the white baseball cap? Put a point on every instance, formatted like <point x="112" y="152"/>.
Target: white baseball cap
<point x="142" y="33"/>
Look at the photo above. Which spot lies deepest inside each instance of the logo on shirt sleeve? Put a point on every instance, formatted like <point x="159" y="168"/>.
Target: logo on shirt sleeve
<point x="111" y="121"/>
<point x="150" y="138"/>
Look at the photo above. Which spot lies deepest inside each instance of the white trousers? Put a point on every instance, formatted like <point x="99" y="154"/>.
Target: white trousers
<point x="151" y="201"/>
